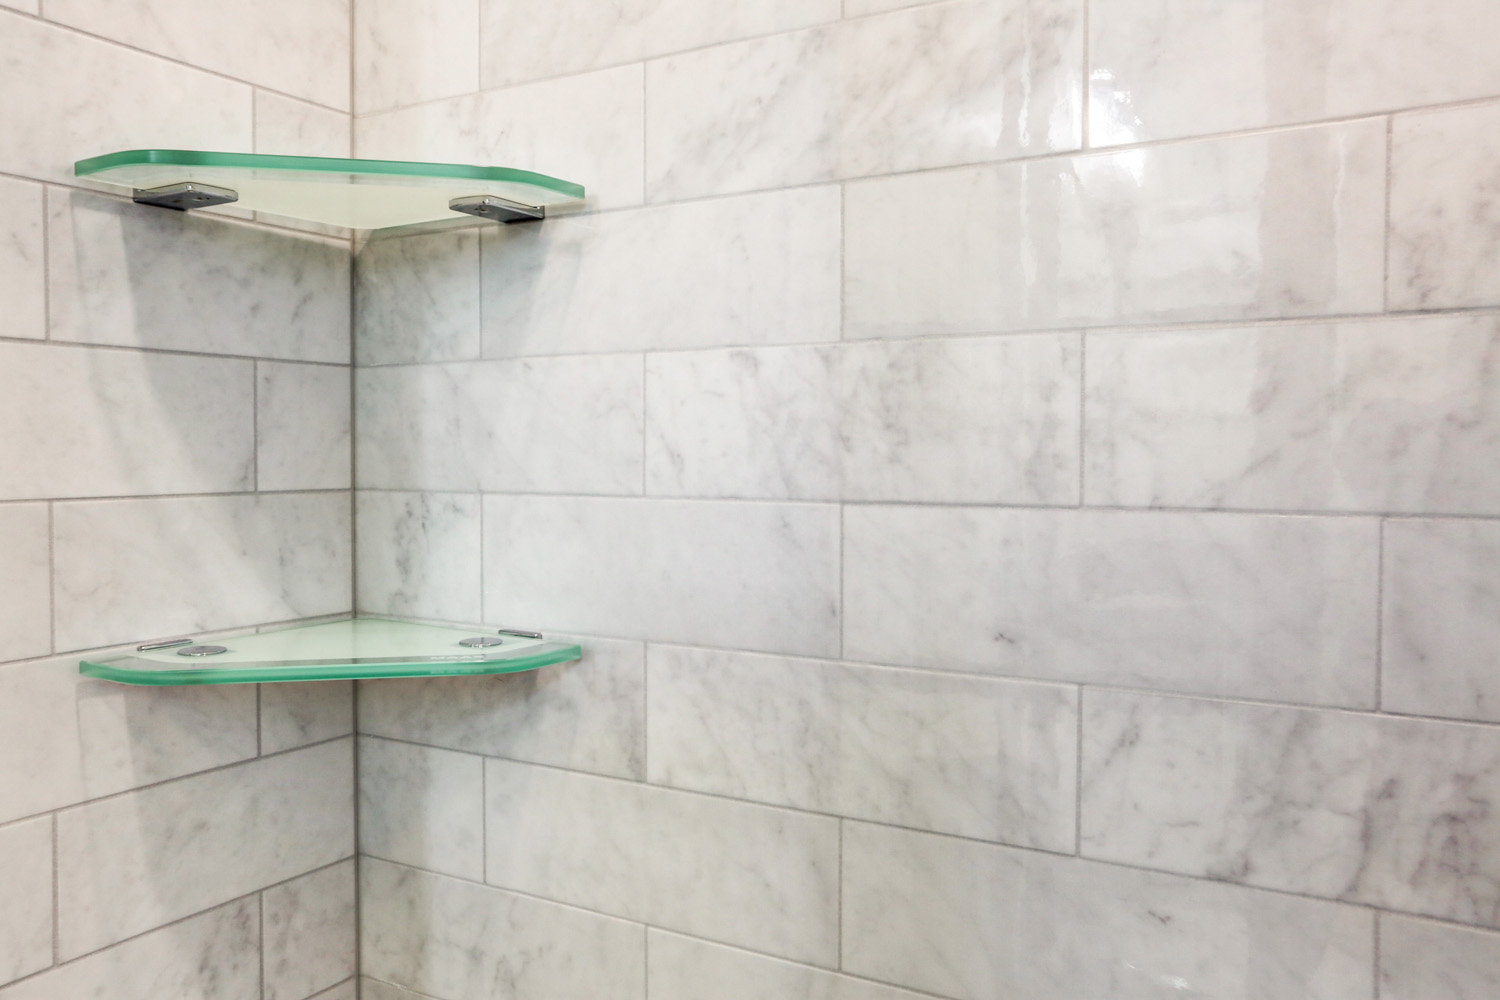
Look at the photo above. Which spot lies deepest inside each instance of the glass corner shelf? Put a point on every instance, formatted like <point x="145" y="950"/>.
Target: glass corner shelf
<point x="360" y="648"/>
<point x="354" y="194"/>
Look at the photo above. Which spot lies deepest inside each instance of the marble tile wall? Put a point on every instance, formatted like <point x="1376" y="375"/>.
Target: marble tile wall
<point x="1026" y="474"/>
<point x="175" y="442"/>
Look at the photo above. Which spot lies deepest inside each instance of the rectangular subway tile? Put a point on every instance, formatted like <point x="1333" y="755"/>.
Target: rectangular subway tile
<point x="309" y="927"/>
<point x="961" y="82"/>
<point x="405" y="56"/>
<point x="743" y="874"/>
<point x="23" y="260"/>
<point x="296" y="715"/>
<point x="555" y="425"/>
<point x="1441" y="620"/>
<point x="25" y="580"/>
<point x="744" y="575"/>
<point x="1384" y="415"/>
<point x="375" y="989"/>
<point x="973" y="921"/>
<point x="1393" y="813"/>
<point x="1244" y="605"/>
<point x="80" y="423"/>
<point x="1421" y="960"/>
<point x="589" y="715"/>
<point x="982" y="758"/>
<point x="303" y="427"/>
<point x="138" y="569"/>
<point x="991" y="420"/>
<point x="417" y="298"/>
<point x="211" y="956"/>
<point x="679" y="968"/>
<point x="1261" y="226"/>
<point x="759" y="269"/>
<point x="445" y="938"/>
<point x="419" y="554"/>
<point x="422" y="806"/>
<point x="285" y="126"/>
<point x="26" y="902"/>
<point x="199" y="842"/>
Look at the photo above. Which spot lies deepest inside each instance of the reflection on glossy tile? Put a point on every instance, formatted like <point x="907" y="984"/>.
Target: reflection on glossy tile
<point x="587" y="129"/>
<point x="745" y="575"/>
<point x="211" y="956"/>
<point x="1445" y="208"/>
<point x="302" y="414"/>
<point x="419" y="555"/>
<point x="461" y="941"/>
<point x="23" y="283"/>
<point x="407" y="55"/>
<point x="1287" y="224"/>
<point x="1420" y="960"/>
<point x="26" y="903"/>
<point x="1396" y="813"/>
<point x="294" y="715"/>
<point x="680" y="968"/>
<point x="309" y="933"/>
<point x="1160" y="70"/>
<point x="25" y="582"/>
<point x="423" y="807"/>
<point x="994" y="760"/>
<point x="984" y="420"/>
<point x="750" y="875"/>
<point x="1232" y="604"/>
<point x="555" y="425"/>
<point x="972" y="921"/>
<point x="137" y="569"/>
<point x="198" y="842"/>
<point x="65" y="738"/>
<point x="417" y="298"/>
<point x="963" y="82"/>
<point x="1377" y="416"/>
<point x="585" y="716"/>
<point x="762" y="269"/>
<point x="123" y="275"/>
<point x="78" y="423"/>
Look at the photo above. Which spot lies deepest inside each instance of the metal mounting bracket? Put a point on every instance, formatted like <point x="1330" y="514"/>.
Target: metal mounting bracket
<point x="182" y="197"/>
<point x="488" y="206"/>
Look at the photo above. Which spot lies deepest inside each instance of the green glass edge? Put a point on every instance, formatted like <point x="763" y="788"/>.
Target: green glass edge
<point x="554" y="653"/>
<point x="322" y="164"/>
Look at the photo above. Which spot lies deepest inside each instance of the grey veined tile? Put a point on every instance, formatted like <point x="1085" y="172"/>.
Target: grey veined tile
<point x="25" y="581"/>
<point x="1422" y="960"/>
<point x="680" y="968"/>
<point x="422" y="806"/>
<point x="309" y="927"/>
<point x="303" y="432"/>
<point x="417" y="298"/>
<point x="406" y="56"/>
<point x="419" y="555"/>
<point x="1394" y="813"/>
<point x="26" y="903"/>
<point x="23" y="260"/>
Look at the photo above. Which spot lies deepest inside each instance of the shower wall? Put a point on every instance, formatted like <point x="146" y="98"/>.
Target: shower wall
<point x="174" y="458"/>
<point x="1025" y="473"/>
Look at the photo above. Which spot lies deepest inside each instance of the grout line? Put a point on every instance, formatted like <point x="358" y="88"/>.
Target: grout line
<point x="255" y="428"/>
<point x="46" y="262"/>
<point x="1078" y="778"/>
<point x="1086" y="99"/>
<point x="56" y="898"/>
<point x="359" y="908"/>
<point x="1380" y="617"/>
<point x="52" y="588"/>
<point x="645" y="422"/>
<point x="81" y="345"/>
<point x="260" y="924"/>
<point x="260" y="741"/>
<point x="839" y="955"/>
<point x="646" y="714"/>
<point x="1083" y="413"/>
<point x="1375" y="953"/>
<point x="843" y="608"/>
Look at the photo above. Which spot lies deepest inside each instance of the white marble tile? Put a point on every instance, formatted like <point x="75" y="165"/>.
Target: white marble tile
<point x="1445" y="208"/>
<point x="122" y="275"/>
<point x="962" y="82"/>
<point x="23" y="260"/>
<point x="295" y="715"/>
<point x="859" y="8"/>
<point x="743" y="575"/>
<point x="1243" y="605"/>
<point x="993" y="420"/>
<point x="750" y="875"/>
<point x="972" y="921"/>
<point x="546" y="425"/>
<point x="589" y="715"/>
<point x="419" y="555"/>
<point x="133" y="862"/>
<point x="1441" y="620"/>
<point x="211" y="956"/>
<point x="422" y="806"/>
<point x="989" y="759"/>
<point x="1285" y="224"/>
<point x="299" y="48"/>
<point x="1388" y="415"/>
<point x="1165" y="69"/>
<point x="136" y="569"/>
<point x="1395" y="813"/>
<point x="288" y="127"/>
<point x="66" y="738"/>
<point x="303" y="427"/>
<point x="26" y="903"/>
<point x="374" y="989"/>
<point x="461" y="941"/>
<point x="70" y="97"/>
<point x="588" y="129"/>
<point x="760" y="269"/>
<point x="417" y="298"/>
<point x="679" y="968"/>
<point x="25" y="581"/>
<point x="1420" y="960"/>
<point x="28" y="6"/>
<point x="309" y="928"/>
<point x="407" y="53"/>
<point x="79" y="423"/>
<point x="344" y="991"/>
<point x="569" y="36"/>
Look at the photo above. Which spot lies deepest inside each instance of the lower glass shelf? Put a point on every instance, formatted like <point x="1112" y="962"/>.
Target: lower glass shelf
<point x="354" y="649"/>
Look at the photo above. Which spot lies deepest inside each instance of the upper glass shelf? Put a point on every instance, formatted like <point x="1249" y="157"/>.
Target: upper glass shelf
<point x="355" y="194"/>
<point x="359" y="648"/>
